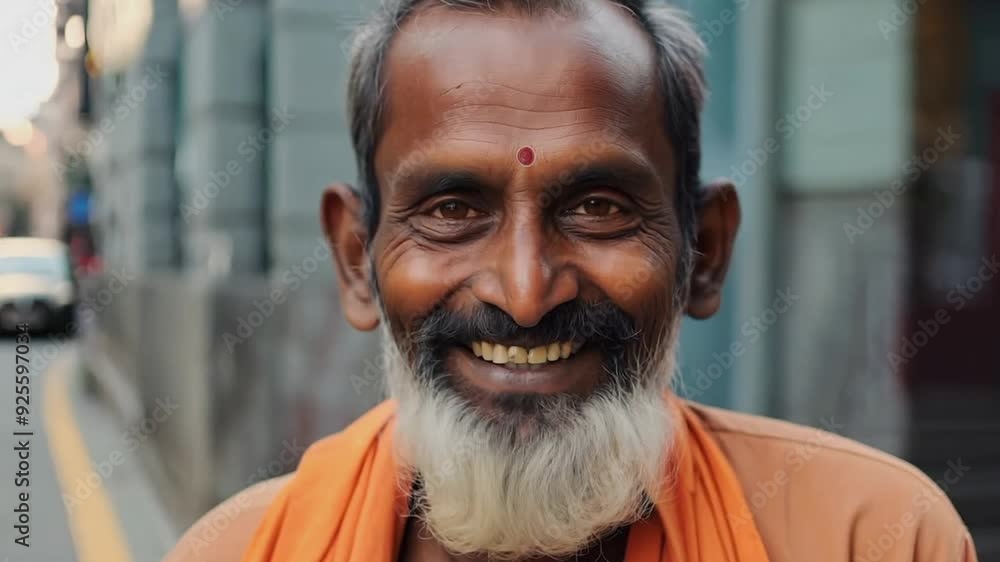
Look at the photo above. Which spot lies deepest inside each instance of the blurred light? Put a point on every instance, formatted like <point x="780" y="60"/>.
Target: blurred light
<point x="74" y="32"/>
<point x="28" y="64"/>
<point x="63" y="292"/>
<point x="117" y="30"/>
<point x="192" y="9"/>
<point x="38" y="145"/>
<point x="19" y="133"/>
<point x="90" y="64"/>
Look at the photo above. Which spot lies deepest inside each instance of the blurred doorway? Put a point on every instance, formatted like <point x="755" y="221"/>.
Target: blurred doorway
<point x="954" y="315"/>
<point x="950" y="342"/>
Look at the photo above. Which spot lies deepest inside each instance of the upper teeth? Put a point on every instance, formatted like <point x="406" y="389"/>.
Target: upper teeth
<point x="502" y="354"/>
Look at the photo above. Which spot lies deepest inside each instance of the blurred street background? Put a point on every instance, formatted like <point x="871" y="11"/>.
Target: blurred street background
<point x="179" y="149"/>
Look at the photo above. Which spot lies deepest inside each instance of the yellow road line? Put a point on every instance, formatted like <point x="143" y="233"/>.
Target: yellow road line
<point x="95" y="527"/>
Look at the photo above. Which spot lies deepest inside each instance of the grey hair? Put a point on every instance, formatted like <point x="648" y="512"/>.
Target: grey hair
<point x="679" y="53"/>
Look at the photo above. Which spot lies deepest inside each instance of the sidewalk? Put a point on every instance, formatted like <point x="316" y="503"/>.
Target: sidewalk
<point x="115" y="451"/>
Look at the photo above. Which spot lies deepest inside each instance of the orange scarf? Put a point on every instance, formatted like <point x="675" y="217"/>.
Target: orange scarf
<point x="345" y="505"/>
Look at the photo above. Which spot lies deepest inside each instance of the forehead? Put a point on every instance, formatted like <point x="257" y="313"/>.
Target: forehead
<point x="468" y="89"/>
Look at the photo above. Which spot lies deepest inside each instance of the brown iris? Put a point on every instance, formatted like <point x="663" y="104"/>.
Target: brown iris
<point x="598" y="207"/>
<point x="452" y="210"/>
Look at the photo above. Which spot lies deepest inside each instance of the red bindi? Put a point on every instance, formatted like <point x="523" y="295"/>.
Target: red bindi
<point x="526" y="156"/>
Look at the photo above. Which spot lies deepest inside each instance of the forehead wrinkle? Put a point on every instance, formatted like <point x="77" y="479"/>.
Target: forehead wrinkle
<point x="484" y="118"/>
<point x="577" y="133"/>
<point x="514" y="117"/>
<point x="463" y="139"/>
<point x="562" y="95"/>
<point x="559" y="84"/>
<point x="506" y="98"/>
<point x="523" y="109"/>
<point x="522" y="127"/>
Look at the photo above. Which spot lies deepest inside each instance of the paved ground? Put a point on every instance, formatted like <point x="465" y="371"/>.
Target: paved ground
<point x="88" y="498"/>
<point x="49" y="536"/>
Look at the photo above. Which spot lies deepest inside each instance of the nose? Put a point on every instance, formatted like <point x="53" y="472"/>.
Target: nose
<point x="526" y="279"/>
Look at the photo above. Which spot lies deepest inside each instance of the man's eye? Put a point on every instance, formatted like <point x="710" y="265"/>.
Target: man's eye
<point x="453" y="210"/>
<point x="596" y="207"/>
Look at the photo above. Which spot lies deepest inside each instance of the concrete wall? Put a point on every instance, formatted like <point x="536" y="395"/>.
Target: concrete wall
<point x="835" y="340"/>
<point x="308" y="57"/>
<point x="255" y="367"/>
<point x="132" y="152"/>
<point x="866" y="122"/>
<point x="224" y="141"/>
<point x="836" y="151"/>
<point x="307" y="71"/>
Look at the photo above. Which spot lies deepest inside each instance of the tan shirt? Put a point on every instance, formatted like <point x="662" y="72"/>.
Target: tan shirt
<point x="814" y="497"/>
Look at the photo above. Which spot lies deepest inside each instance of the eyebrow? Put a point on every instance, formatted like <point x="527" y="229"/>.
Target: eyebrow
<point x="621" y="173"/>
<point x="428" y="183"/>
<point x="626" y="176"/>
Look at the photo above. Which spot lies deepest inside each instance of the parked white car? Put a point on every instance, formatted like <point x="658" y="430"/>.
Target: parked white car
<point x="37" y="286"/>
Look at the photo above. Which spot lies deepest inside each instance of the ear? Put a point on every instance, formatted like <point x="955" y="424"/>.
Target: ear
<point x="718" y="220"/>
<point x="343" y="224"/>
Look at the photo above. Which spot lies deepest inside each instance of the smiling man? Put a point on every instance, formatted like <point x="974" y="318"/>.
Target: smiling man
<point x="528" y="230"/>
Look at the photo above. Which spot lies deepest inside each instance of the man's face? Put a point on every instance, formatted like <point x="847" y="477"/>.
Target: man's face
<point x="466" y="228"/>
<point x="570" y="258"/>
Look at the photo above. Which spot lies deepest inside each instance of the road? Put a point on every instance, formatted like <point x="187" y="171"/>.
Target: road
<point x="89" y="500"/>
<point x="49" y="536"/>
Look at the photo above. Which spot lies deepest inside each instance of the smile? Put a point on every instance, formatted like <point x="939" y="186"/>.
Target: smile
<point x="514" y="355"/>
<point x="490" y="368"/>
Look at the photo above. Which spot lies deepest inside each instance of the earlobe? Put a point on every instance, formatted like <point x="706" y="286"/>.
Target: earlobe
<point x="718" y="220"/>
<point x="341" y="215"/>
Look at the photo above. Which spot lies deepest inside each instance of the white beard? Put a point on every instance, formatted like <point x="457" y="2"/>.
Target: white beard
<point x="550" y="493"/>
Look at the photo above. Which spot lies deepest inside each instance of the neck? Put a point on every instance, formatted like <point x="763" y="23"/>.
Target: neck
<point x="420" y="546"/>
